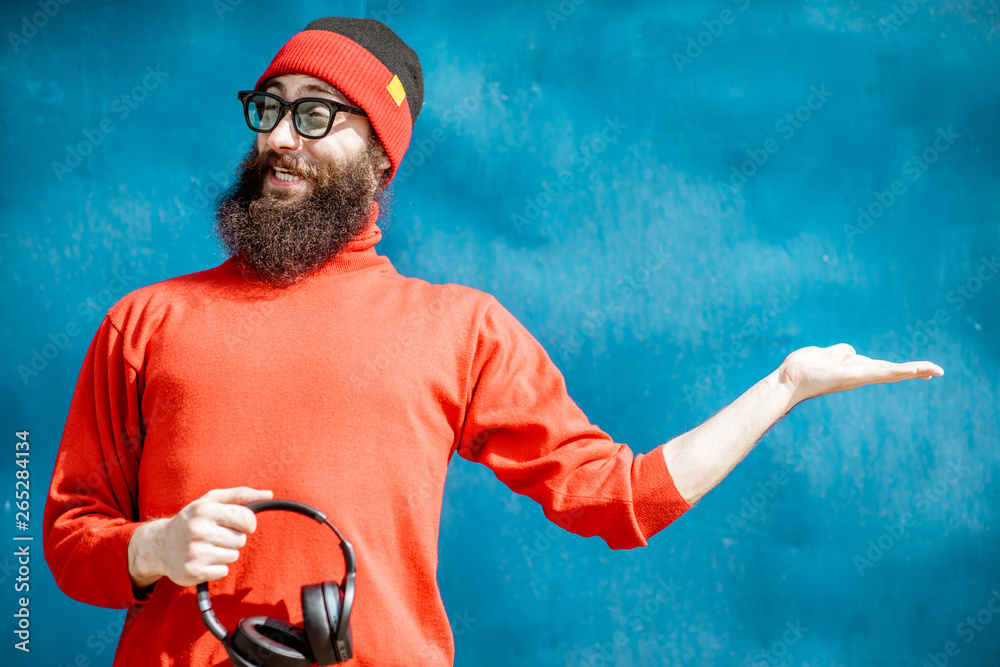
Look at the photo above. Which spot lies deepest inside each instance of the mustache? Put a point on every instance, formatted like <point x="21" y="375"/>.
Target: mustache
<point x="261" y="163"/>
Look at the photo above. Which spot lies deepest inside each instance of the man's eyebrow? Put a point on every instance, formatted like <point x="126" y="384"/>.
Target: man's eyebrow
<point x="323" y="88"/>
<point x="311" y="87"/>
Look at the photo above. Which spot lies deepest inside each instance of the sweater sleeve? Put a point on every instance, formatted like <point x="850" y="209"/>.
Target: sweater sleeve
<point x="522" y="424"/>
<point x="92" y="506"/>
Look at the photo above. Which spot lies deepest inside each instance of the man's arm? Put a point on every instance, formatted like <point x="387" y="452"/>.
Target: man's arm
<point x="95" y="545"/>
<point x="699" y="459"/>
<point x="92" y="505"/>
<point x="522" y="424"/>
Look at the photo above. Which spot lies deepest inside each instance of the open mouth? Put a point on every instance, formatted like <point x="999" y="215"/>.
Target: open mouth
<point x="282" y="176"/>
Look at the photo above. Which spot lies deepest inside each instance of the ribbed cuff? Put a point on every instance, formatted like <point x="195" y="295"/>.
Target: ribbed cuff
<point x="109" y="567"/>
<point x="656" y="502"/>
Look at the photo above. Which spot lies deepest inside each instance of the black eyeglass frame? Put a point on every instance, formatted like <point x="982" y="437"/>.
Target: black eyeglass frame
<point x="245" y="96"/>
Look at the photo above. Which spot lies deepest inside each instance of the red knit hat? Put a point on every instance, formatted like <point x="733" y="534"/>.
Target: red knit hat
<point x="368" y="62"/>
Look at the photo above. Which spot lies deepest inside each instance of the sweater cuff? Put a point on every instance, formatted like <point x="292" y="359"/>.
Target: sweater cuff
<point x="656" y="502"/>
<point x="110" y="566"/>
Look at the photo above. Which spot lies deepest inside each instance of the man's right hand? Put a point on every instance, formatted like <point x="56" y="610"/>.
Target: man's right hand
<point x="198" y="543"/>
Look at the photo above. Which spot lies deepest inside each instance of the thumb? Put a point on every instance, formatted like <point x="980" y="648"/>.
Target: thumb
<point x="239" y="495"/>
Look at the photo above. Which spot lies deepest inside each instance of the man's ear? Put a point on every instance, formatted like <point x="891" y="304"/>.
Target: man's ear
<point x="384" y="164"/>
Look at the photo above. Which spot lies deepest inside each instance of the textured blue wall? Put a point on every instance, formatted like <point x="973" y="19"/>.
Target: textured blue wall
<point x="671" y="197"/>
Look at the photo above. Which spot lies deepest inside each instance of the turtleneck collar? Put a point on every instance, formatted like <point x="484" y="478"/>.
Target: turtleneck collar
<point x="359" y="253"/>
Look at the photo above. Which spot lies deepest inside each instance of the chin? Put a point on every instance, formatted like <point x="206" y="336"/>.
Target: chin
<point x="284" y="193"/>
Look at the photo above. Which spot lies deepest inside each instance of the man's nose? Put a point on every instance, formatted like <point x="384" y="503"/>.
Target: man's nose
<point x="283" y="136"/>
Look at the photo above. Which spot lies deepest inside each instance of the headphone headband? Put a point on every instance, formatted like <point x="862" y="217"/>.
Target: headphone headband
<point x="350" y="570"/>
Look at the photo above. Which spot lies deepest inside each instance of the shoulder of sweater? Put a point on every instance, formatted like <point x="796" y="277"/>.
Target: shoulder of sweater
<point x="153" y="300"/>
<point x="453" y="295"/>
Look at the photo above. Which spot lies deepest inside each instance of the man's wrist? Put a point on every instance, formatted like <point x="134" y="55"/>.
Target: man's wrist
<point x="144" y="566"/>
<point x="783" y="388"/>
<point x="699" y="459"/>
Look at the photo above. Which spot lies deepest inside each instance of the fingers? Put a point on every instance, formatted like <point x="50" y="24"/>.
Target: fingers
<point x="207" y="564"/>
<point x="201" y="554"/>
<point x="895" y="371"/>
<point x="220" y="556"/>
<point x="236" y="517"/>
<point x="874" y="371"/>
<point x="205" y="537"/>
<point x="204" y="527"/>
<point x="913" y="368"/>
<point x="208" y="556"/>
<point x="925" y="368"/>
<point x="209" y="573"/>
<point x="227" y="538"/>
<point x="892" y="372"/>
<point x="240" y="495"/>
<point x="226" y="507"/>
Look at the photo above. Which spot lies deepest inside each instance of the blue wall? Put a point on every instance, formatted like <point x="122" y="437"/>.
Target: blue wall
<point x="756" y="182"/>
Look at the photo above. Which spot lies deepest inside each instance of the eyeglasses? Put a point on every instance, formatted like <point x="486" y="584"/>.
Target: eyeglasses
<point x="312" y="116"/>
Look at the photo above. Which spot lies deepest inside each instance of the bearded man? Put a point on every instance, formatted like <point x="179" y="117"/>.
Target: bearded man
<point x="297" y="202"/>
<point x="305" y="367"/>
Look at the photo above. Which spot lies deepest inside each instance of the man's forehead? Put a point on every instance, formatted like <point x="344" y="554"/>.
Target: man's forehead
<point x="302" y="83"/>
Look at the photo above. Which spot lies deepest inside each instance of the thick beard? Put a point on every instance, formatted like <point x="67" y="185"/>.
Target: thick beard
<point x="285" y="237"/>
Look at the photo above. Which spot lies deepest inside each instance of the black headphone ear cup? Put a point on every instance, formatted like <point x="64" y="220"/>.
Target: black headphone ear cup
<point x="234" y="657"/>
<point x="270" y="642"/>
<point x="334" y="596"/>
<point x="320" y="622"/>
<point x="348" y="644"/>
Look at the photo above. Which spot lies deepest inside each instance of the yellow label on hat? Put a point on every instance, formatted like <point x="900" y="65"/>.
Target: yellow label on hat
<point x="395" y="89"/>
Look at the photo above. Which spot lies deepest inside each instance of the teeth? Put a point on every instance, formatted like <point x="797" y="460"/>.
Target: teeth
<point x="285" y="175"/>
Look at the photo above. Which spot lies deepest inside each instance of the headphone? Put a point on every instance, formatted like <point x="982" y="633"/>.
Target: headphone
<point x="325" y="638"/>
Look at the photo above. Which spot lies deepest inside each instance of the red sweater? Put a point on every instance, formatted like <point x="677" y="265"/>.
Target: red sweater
<point x="350" y="391"/>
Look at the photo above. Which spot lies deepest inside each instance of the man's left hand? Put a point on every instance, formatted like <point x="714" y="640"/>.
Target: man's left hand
<point x="814" y="371"/>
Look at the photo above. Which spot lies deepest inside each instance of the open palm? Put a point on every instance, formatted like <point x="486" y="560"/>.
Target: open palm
<point x="814" y="371"/>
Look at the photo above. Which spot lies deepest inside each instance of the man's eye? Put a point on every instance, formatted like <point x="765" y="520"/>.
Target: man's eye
<point x="315" y="110"/>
